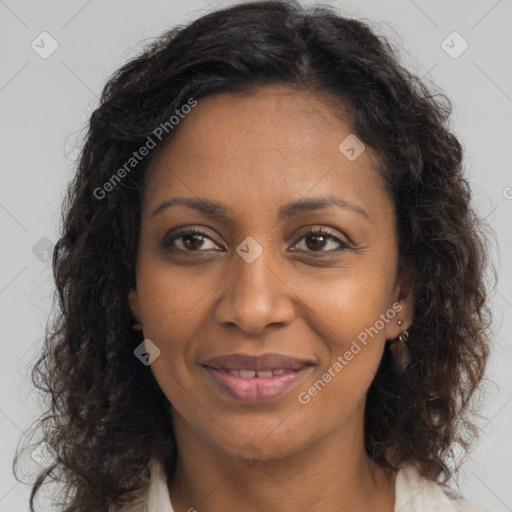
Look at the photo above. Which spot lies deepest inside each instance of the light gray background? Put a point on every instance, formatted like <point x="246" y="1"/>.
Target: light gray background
<point x="46" y="102"/>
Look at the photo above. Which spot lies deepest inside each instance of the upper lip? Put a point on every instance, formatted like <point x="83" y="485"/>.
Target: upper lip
<point x="257" y="363"/>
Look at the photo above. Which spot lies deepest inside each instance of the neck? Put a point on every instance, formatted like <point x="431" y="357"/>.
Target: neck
<point x="333" y="475"/>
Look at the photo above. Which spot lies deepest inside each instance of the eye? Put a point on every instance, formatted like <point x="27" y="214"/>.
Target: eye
<point x="196" y="240"/>
<point x="317" y="239"/>
<point x="189" y="240"/>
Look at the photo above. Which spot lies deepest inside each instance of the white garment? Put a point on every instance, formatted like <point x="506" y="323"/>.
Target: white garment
<point x="413" y="493"/>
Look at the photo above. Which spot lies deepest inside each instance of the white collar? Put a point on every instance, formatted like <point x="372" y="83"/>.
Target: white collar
<point x="413" y="493"/>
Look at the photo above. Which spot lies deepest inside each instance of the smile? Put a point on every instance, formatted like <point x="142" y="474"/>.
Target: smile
<point x="249" y="374"/>
<point x="256" y="378"/>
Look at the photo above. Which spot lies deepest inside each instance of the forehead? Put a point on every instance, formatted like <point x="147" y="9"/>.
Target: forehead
<point x="273" y="145"/>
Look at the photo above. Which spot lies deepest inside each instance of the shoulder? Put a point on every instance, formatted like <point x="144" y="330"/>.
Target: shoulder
<point x="156" y="496"/>
<point x="415" y="493"/>
<point x="138" y="506"/>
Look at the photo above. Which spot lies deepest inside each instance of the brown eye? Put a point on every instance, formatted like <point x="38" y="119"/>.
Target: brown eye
<point x="192" y="241"/>
<point x="320" y="240"/>
<point x="316" y="242"/>
<point x="189" y="240"/>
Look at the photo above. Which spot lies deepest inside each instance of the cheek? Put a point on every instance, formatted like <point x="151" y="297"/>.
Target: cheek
<point x="335" y="308"/>
<point x="345" y="304"/>
<point x="345" y="313"/>
<point x="174" y="306"/>
<point x="170" y="297"/>
<point x="339" y="305"/>
<point x="350" y="347"/>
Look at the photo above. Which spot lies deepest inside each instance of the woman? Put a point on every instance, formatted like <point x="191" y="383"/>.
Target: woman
<point x="270" y="279"/>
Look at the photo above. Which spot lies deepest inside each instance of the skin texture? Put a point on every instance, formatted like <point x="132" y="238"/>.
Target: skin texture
<point x="254" y="154"/>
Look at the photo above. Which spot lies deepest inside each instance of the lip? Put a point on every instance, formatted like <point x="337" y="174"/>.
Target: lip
<point x="256" y="389"/>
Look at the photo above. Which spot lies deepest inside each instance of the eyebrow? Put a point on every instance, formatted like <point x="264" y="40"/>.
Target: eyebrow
<point x="286" y="211"/>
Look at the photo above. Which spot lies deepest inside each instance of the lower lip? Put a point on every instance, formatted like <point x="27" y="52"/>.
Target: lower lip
<point x="256" y="389"/>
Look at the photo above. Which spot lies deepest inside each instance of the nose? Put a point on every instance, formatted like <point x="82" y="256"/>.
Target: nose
<point x="255" y="295"/>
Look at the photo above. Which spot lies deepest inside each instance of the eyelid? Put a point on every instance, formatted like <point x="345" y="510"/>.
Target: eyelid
<point x="343" y="240"/>
<point x="195" y="230"/>
<point x="316" y="228"/>
<point x="308" y="231"/>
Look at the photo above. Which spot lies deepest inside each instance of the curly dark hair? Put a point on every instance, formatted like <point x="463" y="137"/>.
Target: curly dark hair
<point x="107" y="416"/>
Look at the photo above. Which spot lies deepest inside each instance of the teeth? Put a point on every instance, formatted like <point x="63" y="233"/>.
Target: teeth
<point x="247" y="374"/>
<point x="264" y="373"/>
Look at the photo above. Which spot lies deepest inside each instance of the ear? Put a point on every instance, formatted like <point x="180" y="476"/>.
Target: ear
<point x="133" y="303"/>
<point x="402" y="302"/>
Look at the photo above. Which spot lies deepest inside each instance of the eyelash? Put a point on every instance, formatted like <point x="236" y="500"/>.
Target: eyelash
<point x="325" y="232"/>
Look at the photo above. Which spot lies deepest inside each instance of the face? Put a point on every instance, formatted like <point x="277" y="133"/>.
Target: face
<point x="282" y="264"/>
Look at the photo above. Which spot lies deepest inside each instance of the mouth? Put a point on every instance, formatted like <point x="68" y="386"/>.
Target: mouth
<point x="250" y="374"/>
<point x="256" y="378"/>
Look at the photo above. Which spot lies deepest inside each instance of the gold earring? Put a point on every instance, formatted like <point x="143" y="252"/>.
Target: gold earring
<point x="400" y="351"/>
<point x="403" y="336"/>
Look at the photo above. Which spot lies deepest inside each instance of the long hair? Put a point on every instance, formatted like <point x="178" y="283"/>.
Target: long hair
<point x="107" y="416"/>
